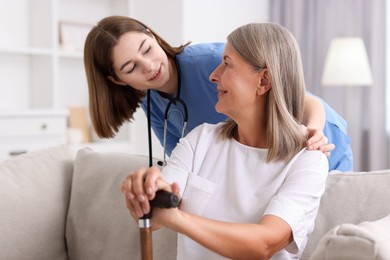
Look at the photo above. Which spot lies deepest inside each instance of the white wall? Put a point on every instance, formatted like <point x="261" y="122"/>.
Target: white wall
<point x="165" y="17"/>
<point x="208" y="21"/>
<point x="387" y="79"/>
<point x="200" y="20"/>
<point x="388" y="68"/>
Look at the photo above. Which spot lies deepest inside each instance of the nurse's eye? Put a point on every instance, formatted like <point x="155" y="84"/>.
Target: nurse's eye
<point x="131" y="69"/>
<point x="148" y="50"/>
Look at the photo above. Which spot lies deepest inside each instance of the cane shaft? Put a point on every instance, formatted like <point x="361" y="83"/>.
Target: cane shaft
<point x="146" y="244"/>
<point x="163" y="200"/>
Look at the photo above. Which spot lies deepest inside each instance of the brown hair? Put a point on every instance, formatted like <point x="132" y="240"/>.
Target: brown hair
<point x="273" y="46"/>
<point x="111" y="105"/>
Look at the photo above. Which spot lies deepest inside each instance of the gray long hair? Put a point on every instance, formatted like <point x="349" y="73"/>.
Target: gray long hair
<point x="273" y="46"/>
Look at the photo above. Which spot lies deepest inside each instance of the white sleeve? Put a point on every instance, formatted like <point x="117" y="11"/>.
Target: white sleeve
<point x="298" y="199"/>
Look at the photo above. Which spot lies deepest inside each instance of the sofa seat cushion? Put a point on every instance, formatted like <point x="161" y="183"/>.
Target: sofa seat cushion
<point x="99" y="226"/>
<point x="367" y="240"/>
<point x="350" y="198"/>
<point x="34" y="199"/>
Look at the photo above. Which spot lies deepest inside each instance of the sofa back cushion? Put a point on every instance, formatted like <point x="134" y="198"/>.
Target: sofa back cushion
<point x="34" y="199"/>
<point x="99" y="226"/>
<point x="351" y="198"/>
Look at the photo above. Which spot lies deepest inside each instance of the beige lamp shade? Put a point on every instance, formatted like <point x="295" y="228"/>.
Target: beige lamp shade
<point x="347" y="63"/>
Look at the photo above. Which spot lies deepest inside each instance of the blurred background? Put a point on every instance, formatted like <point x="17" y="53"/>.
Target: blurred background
<point x="43" y="91"/>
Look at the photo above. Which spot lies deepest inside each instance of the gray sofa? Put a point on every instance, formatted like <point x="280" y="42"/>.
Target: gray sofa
<point x="57" y="203"/>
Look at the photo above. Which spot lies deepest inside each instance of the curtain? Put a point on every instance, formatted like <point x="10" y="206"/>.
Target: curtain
<point x="315" y="24"/>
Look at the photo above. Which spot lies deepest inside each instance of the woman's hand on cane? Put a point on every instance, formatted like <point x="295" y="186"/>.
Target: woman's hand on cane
<point x="141" y="186"/>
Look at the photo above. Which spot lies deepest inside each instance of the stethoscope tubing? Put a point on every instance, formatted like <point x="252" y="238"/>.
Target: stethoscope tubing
<point x="149" y="129"/>
<point x="176" y="100"/>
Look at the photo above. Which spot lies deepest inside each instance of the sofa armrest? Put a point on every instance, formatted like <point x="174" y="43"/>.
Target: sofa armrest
<point x="367" y="240"/>
<point x="34" y="198"/>
<point x="352" y="197"/>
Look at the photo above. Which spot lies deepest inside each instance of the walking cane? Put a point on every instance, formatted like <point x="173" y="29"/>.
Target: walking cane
<point x="163" y="199"/>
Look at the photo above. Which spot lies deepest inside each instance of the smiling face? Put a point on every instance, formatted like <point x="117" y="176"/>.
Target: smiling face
<point x="237" y="85"/>
<point x="139" y="61"/>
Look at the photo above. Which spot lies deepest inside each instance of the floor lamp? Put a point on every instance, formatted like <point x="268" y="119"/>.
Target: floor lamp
<point x="347" y="65"/>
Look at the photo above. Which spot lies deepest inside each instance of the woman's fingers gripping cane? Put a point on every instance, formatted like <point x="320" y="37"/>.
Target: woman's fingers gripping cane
<point x="139" y="187"/>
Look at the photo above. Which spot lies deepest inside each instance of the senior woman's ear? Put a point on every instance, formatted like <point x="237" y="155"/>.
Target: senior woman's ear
<point x="264" y="83"/>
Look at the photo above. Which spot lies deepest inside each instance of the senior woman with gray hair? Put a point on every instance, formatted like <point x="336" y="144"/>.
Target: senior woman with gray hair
<point x="249" y="188"/>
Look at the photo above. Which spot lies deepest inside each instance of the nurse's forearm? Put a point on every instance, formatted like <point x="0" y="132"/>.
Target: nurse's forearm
<point x="314" y="113"/>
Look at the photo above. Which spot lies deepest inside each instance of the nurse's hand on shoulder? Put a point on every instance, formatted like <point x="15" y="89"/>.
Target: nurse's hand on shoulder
<point x="140" y="186"/>
<point x="318" y="141"/>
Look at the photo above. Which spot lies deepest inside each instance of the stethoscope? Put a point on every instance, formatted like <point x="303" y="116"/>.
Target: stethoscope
<point x="176" y="100"/>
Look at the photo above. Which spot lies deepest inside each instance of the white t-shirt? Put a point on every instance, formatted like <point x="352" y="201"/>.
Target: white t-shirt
<point x="228" y="181"/>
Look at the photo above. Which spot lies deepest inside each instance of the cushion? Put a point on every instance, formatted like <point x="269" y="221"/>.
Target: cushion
<point x="352" y="198"/>
<point x="99" y="225"/>
<point x="34" y="199"/>
<point x="367" y="240"/>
